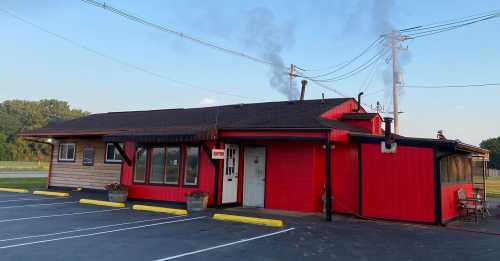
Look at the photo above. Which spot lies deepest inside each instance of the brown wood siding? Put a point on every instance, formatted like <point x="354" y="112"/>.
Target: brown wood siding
<point x="74" y="174"/>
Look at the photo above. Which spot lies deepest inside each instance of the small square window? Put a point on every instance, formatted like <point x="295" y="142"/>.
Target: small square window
<point x="112" y="154"/>
<point x="67" y="151"/>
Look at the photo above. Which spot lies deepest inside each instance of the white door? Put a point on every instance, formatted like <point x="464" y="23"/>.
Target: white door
<point x="254" y="177"/>
<point x="230" y="179"/>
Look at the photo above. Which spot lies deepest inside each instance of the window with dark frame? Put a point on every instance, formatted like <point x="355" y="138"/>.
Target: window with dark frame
<point x="191" y="166"/>
<point x="140" y="166"/>
<point x="112" y="154"/>
<point x="173" y="165"/>
<point x="157" y="175"/>
<point x="164" y="165"/>
<point x="67" y="152"/>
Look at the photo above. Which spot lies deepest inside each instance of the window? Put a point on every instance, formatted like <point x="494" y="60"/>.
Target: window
<point x="456" y="169"/>
<point x="173" y="162"/>
<point x="112" y="154"/>
<point x="140" y="164"/>
<point x="67" y="151"/>
<point x="191" y="166"/>
<point x="157" y="165"/>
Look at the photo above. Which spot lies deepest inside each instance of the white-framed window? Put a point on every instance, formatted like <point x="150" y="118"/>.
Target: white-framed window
<point x="112" y="154"/>
<point x="67" y="151"/>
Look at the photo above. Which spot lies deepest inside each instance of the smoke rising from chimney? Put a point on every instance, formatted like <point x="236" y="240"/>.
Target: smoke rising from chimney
<point x="268" y="37"/>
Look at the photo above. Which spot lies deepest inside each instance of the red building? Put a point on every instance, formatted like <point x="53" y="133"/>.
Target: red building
<point x="277" y="155"/>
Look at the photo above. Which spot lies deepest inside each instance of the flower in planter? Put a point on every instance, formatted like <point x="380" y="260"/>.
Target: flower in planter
<point x="197" y="194"/>
<point x="116" y="187"/>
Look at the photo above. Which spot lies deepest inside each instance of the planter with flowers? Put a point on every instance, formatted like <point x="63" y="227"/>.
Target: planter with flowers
<point x="197" y="200"/>
<point x="117" y="192"/>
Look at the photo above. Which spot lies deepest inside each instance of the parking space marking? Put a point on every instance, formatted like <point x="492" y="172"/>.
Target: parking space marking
<point x="27" y="199"/>
<point x="60" y="215"/>
<point x="100" y="233"/>
<point x="225" y="245"/>
<point x="43" y="204"/>
<point x="90" y="228"/>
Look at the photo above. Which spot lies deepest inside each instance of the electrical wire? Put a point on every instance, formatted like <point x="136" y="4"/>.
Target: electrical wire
<point x="450" y="22"/>
<point x="119" y="61"/>
<point x="358" y="69"/>
<point x="171" y="30"/>
<point x="343" y="65"/>
<point x="451" y="86"/>
<point x="418" y="32"/>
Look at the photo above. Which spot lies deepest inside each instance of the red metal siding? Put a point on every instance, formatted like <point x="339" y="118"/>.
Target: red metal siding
<point x="398" y="186"/>
<point x="449" y="199"/>
<point x="164" y="192"/>
<point x="337" y="111"/>
<point x="291" y="179"/>
<point x="344" y="159"/>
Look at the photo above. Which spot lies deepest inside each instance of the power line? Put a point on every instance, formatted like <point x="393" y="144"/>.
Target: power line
<point x="419" y="31"/>
<point x="173" y="31"/>
<point x="358" y="69"/>
<point x="451" y="86"/>
<point x="119" y="61"/>
<point x="343" y="65"/>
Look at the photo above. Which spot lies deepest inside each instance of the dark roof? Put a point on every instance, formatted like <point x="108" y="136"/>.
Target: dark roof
<point x="454" y="145"/>
<point x="269" y="115"/>
<point x="358" y="116"/>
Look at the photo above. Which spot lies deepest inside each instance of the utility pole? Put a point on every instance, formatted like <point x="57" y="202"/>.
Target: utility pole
<point x="292" y="79"/>
<point x="395" y="45"/>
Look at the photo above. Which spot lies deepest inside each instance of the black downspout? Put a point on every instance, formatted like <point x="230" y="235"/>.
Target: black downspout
<point x="437" y="189"/>
<point x="216" y="177"/>
<point x="328" y="189"/>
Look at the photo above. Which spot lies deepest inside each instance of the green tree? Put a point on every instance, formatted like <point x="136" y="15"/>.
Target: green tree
<point x="493" y="145"/>
<point x="20" y="115"/>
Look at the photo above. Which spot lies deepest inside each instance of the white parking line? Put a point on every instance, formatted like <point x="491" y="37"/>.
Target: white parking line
<point x="36" y="205"/>
<point x="61" y="215"/>
<point x="90" y="228"/>
<point x="28" y="199"/>
<point x="225" y="245"/>
<point x="100" y="233"/>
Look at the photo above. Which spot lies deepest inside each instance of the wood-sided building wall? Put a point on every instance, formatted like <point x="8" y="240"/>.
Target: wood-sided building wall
<point x="76" y="174"/>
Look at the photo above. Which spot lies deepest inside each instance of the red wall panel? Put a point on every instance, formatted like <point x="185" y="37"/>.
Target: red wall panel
<point x="291" y="177"/>
<point x="337" y="111"/>
<point x="449" y="199"/>
<point x="344" y="160"/>
<point x="400" y="185"/>
<point x="168" y="193"/>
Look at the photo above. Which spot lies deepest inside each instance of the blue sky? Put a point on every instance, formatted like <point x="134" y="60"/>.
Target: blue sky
<point x="315" y="34"/>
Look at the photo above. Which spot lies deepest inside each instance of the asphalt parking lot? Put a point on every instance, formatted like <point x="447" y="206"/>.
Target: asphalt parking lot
<point x="46" y="228"/>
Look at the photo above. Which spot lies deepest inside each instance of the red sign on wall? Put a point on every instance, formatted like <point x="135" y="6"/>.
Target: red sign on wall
<point x="217" y="153"/>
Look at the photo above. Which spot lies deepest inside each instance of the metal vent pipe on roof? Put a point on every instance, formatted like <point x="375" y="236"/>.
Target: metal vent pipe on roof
<point x="388" y="132"/>
<point x="303" y="90"/>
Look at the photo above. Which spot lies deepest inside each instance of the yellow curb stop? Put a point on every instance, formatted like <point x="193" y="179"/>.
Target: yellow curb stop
<point x="172" y="211"/>
<point x="14" y="190"/>
<point x="102" y="203"/>
<point x="51" y="193"/>
<point x="250" y="220"/>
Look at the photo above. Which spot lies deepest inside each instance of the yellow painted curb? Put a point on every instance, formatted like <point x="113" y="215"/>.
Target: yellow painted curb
<point x="51" y="193"/>
<point x="14" y="190"/>
<point x="250" y="220"/>
<point x="173" y="211"/>
<point x="102" y="203"/>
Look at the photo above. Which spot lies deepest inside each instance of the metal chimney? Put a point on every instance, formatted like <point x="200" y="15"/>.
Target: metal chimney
<point x="303" y="90"/>
<point x="388" y="132"/>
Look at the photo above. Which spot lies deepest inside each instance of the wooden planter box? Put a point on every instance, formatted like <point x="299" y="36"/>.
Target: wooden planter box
<point x="197" y="203"/>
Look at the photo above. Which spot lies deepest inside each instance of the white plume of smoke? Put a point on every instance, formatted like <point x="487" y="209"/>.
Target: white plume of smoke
<point x="268" y="37"/>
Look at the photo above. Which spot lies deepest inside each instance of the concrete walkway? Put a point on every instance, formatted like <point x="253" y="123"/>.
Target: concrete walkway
<point x="24" y="174"/>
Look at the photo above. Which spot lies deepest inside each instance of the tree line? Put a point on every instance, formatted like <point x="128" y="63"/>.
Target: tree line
<point x="20" y="115"/>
